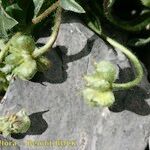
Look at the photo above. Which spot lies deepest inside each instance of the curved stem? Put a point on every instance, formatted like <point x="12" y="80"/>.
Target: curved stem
<point x="133" y="59"/>
<point x="49" y="44"/>
<point x="46" y="13"/>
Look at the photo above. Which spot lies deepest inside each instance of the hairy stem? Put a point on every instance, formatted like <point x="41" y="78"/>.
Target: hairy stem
<point x="46" y="13"/>
<point x="52" y="38"/>
<point x="130" y="55"/>
<point x="133" y="59"/>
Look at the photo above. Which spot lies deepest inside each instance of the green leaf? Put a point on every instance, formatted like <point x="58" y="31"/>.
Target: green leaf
<point x="146" y="3"/>
<point x="71" y="5"/>
<point x="139" y="42"/>
<point x="14" y="11"/>
<point x="12" y="7"/>
<point x="38" y="5"/>
<point x="95" y="26"/>
<point x="5" y="3"/>
<point x="93" y="16"/>
<point x="6" y="23"/>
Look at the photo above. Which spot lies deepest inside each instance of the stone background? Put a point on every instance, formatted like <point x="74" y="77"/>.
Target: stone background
<point x="57" y="109"/>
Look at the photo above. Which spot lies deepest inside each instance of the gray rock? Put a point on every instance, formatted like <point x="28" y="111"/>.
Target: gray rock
<point x="58" y="111"/>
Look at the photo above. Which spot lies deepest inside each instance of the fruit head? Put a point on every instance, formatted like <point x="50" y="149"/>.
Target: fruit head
<point x="96" y="82"/>
<point x="98" y="98"/>
<point x="24" y="42"/>
<point x="106" y="70"/>
<point x="22" y="123"/>
<point x="26" y="70"/>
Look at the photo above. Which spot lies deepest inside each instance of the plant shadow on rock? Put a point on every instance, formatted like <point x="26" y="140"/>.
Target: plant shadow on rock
<point x="58" y="56"/>
<point x="38" y="125"/>
<point x="132" y="100"/>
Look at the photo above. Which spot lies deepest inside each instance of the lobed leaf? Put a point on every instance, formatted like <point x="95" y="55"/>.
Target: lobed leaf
<point x="71" y="5"/>
<point x="38" y="5"/>
<point x="6" y="23"/>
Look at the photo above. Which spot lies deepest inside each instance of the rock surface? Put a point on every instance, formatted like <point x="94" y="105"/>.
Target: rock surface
<point x="56" y="107"/>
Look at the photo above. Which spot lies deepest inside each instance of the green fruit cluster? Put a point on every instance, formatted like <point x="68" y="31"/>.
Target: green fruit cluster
<point x="19" y="61"/>
<point x="98" y="89"/>
<point x="14" y="123"/>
